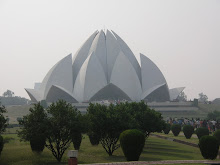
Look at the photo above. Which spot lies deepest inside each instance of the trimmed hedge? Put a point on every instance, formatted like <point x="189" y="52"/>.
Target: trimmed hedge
<point x="209" y="147"/>
<point x="188" y="130"/>
<point x="217" y="135"/>
<point x="1" y="144"/>
<point x="37" y="143"/>
<point x="77" y="139"/>
<point x="167" y="128"/>
<point x="202" y="132"/>
<point x="93" y="138"/>
<point x="176" y="128"/>
<point x="132" y="144"/>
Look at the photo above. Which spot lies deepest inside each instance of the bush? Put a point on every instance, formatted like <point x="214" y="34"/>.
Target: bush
<point x="93" y="138"/>
<point x="201" y="132"/>
<point x="37" y="143"/>
<point x="1" y="144"/>
<point x="166" y="130"/>
<point x="209" y="146"/>
<point x="132" y="144"/>
<point x="217" y="135"/>
<point x="77" y="139"/>
<point x="176" y="128"/>
<point x="188" y="130"/>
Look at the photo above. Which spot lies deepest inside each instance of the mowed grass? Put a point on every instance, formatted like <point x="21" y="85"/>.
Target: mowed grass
<point x="194" y="139"/>
<point x="156" y="149"/>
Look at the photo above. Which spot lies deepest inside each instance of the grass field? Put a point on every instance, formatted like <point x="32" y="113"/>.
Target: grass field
<point x="19" y="153"/>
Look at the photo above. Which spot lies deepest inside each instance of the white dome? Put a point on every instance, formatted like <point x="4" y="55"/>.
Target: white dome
<point x="103" y="68"/>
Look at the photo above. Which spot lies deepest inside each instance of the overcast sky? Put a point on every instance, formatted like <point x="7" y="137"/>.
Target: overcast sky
<point x="182" y="37"/>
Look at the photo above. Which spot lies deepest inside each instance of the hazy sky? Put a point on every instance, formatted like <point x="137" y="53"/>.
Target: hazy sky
<point x="182" y="37"/>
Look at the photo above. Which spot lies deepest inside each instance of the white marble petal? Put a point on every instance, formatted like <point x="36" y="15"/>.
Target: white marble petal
<point x="58" y="93"/>
<point x="151" y="74"/>
<point x="125" y="77"/>
<point x="90" y="80"/>
<point x="129" y="54"/>
<point x="174" y="92"/>
<point x="99" y="49"/>
<point x="113" y="50"/>
<point x="81" y="55"/>
<point x="60" y="74"/>
<point x="35" y="95"/>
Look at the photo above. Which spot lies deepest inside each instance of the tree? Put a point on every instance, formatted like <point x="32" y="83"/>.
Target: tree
<point x="57" y="124"/>
<point x="215" y="115"/>
<point x="107" y="122"/>
<point x="144" y="118"/>
<point x="8" y="93"/>
<point x="63" y="121"/>
<point x="182" y="97"/>
<point x="3" y="120"/>
<point x="203" y="98"/>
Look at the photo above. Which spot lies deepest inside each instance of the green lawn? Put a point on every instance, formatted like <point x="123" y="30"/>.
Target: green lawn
<point x="193" y="139"/>
<point x="19" y="153"/>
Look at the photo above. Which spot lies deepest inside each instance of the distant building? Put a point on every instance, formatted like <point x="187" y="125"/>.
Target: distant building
<point x="37" y="86"/>
<point x="104" y="68"/>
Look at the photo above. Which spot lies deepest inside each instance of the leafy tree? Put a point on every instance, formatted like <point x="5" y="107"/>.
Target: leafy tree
<point x="57" y="124"/>
<point x="203" y="98"/>
<point x="107" y="122"/>
<point x="3" y="120"/>
<point x="215" y="115"/>
<point x="8" y="93"/>
<point x="144" y="118"/>
<point x="34" y="124"/>
<point x="63" y="121"/>
<point x="182" y="97"/>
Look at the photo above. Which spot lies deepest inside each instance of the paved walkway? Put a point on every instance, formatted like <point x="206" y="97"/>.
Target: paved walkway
<point x="160" y="162"/>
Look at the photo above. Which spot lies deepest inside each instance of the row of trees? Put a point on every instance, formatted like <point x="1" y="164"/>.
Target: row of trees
<point x="61" y="124"/>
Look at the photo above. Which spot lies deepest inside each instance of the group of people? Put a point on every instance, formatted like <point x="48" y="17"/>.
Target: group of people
<point x="212" y="125"/>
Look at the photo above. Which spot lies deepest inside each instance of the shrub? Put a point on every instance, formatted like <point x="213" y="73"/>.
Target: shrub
<point x="1" y="144"/>
<point x="176" y="128"/>
<point x="201" y="132"/>
<point x="166" y="130"/>
<point x="188" y="130"/>
<point x="132" y="144"/>
<point x="208" y="146"/>
<point x="217" y="135"/>
<point x="93" y="138"/>
<point x="77" y="139"/>
<point x="37" y="143"/>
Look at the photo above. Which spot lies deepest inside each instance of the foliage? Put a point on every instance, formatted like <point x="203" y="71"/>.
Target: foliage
<point x="34" y="124"/>
<point x="217" y="135"/>
<point x="182" y="97"/>
<point x="143" y="118"/>
<point x="8" y="93"/>
<point x="77" y="139"/>
<point x="37" y="143"/>
<point x="107" y="122"/>
<point x="16" y="100"/>
<point x="94" y="138"/>
<point x="209" y="147"/>
<point x="188" y="130"/>
<point x="3" y="120"/>
<point x="63" y="121"/>
<point x="167" y="128"/>
<point x="132" y="144"/>
<point x="202" y="132"/>
<point x="215" y="115"/>
<point x="1" y="144"/>
<point x="203" y="98"/>
<point x="176" y="128"/>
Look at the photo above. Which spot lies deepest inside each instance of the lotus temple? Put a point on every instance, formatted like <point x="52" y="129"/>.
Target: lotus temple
<point x="104" y="68"/>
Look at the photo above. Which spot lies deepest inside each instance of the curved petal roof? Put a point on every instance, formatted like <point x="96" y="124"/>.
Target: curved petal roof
<point x="104" y="67"/>
<point x="174" y="92"/>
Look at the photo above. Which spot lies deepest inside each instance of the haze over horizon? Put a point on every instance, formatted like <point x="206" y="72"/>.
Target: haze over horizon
<point x="181" y="37"/>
